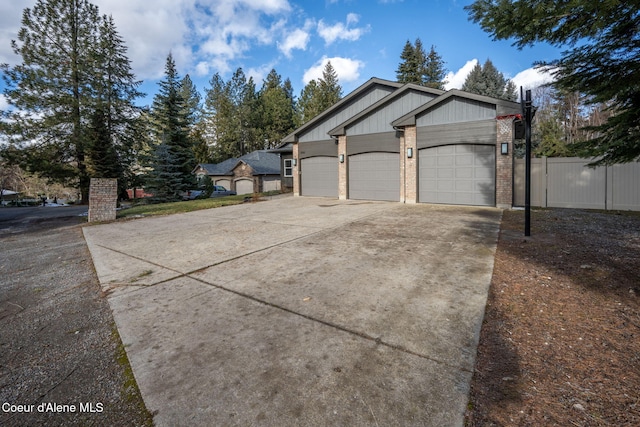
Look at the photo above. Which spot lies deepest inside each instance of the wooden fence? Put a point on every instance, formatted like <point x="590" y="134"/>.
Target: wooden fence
<point x="567" y="182"/>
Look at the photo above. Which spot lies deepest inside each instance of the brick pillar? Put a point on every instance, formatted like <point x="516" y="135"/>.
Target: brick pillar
<point x="103" y="199"/>
<point x="504" y="163"/>
<point x="343" y="168"/>
<point x="403" y="165"/>
<point x="296" y="169"/>
<point x="411" y="164"/>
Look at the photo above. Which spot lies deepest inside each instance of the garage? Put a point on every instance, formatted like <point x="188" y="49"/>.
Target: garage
<point x="319" y="176"/>
<point x="460" y="174"/>
<point x="226" y="183"/>
<point x="244" y="186"/>
<point x="374" y="176"/>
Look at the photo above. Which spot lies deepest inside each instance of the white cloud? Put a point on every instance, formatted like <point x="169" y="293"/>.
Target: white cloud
<point x="4" y="104"/>
<point x="341" y="31"/>
<point x="296" y="39"/>
<point x="348" y="70"/>
<point x="531" y="78"/>
<point x="456" y="80"/>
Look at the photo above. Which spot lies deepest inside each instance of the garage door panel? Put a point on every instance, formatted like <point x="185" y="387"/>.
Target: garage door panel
<point x="374" y="176"/>
<point x="457" y="174"/>
<point x="244" y="186"/>
<point x="319" y="176"/>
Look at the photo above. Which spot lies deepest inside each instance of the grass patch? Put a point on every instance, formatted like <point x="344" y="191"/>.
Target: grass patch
<point x="179" y="207"/>
<point x="130" y="390"/>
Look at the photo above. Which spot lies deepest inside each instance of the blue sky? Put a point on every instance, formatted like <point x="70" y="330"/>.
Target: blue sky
<point x="363" y="39"/>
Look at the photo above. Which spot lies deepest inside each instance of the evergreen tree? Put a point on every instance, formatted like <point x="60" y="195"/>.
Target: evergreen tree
<point x="487" y="80"/>
<point x="73" y="63"/>
<point x="277" y="109"/>
<point x="170" y="122"/>
<point x="102" y="157"/>
<point x="51" y="89"/>
<point x="115" y="90"/>
<point x="434" y="73"/>
<point x="410" y="69"/>
<point x="308" y="105"/>
<point x="329" y="89"/>
<point x="601" y="59"/>
<point x="165" y="180"/>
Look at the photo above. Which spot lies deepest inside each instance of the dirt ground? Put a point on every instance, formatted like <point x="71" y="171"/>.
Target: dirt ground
<point x="58" y="341"/>
<point x="560" y="342"/>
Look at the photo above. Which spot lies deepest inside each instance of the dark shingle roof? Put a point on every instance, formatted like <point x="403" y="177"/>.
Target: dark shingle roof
<point x="261" y="161"/>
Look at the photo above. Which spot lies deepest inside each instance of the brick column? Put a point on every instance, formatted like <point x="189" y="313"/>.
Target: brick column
<point x="411" y="164"/>
<point x="504" y="163"/>
<point x="343" y="168"/>
<point x="296" y="169"/>
<point x="103" y="199"/>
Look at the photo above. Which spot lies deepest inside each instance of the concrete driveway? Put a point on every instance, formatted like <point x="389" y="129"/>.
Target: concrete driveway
<point x="301" y="311"/>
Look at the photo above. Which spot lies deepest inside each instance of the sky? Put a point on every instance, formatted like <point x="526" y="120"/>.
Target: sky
<point x="361" y="38"/>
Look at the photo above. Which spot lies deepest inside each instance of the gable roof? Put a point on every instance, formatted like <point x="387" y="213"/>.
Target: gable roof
<point x="261" y="161"/>
<point x="364" y="87"/>
<point x="340" y="129"/>
<point x="502" y="106"/>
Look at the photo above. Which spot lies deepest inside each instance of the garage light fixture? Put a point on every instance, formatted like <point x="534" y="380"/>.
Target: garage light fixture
<point x="341" y="158"/>
<point x="410" y="152"/>
<point x="504" y="148"/>
<point x="294" y="162"/>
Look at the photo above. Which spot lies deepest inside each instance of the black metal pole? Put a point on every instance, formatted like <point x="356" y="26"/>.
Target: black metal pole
<point x="527" y="163"/>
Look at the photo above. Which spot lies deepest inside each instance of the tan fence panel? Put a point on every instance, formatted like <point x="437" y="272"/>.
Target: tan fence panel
<point x="571" y="184"/>
<point x="567" y="182"/>
<point x="623" y="190"/>
<point x="538" y="182"/>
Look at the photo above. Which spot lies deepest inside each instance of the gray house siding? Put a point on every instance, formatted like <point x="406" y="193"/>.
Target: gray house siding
<point x="455" y="110"/>
<point x="478" y="132"/>
<point x="318" y="148"/>
<point x="380" y="142"/>
<point x="380" y="120"/>
<point x="319" y="132"/>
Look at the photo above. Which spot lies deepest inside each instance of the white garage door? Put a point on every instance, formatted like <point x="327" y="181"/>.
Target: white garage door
<point x="270" y="184"/>
<point x="374" y="176"/>
<point x="244" y="186"/>
<point x="458" y="174"/>
<point x="225" y="183"/>
<point x="319" y="176"/>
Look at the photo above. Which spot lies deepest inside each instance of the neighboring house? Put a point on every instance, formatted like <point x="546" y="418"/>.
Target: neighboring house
<point x="408" y="143"/>
<point x="258" y="171"/>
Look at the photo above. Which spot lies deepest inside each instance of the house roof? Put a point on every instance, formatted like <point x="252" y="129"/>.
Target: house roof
<point x="261" y="161"/>
<point x="340" y="129"/>
<point x="364" y="87"/>
<point x="503" y="106"/>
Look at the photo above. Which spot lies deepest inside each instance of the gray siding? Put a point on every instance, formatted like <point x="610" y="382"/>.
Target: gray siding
<point x="319" y="176"/>
<point x="478" y="132"/>
<point x="380" y="120"/>
<point x="374" y="176"/>
<point x="381" y="142"/>
<point x="457" y="109"/>
<point x="318" y="148"/>
<point x="319" y="132"/>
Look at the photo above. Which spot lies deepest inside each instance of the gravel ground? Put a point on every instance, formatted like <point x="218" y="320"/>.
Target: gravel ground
<point x="58" y="341"/>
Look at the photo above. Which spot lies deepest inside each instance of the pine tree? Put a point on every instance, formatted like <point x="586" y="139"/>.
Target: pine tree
<point x="308" y="105"/>
<point x="409" y="70"/>
<point x="277" y="109"/>
<point x="600" y="59"/>
<point x="329" y="89"/>
<point x="51" y="89"/>
<point x="434" y="73"/>
<point x="102" y="157"/>
<point x="170" y="123"/>
<point x="488" y="81"/>
<point x="165" y="180"/>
